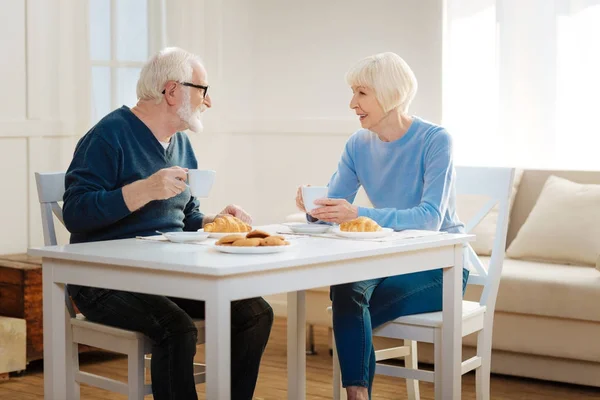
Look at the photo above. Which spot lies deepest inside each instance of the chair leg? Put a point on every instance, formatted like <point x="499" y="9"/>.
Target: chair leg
<point x="135" y="370"/>
<point x="482" y="374"/>
<point x="311" y="341"/>
<point x="412" y="361"/>
<point x="74" y="370"/>
<point x="437" y="366"/>
<point x="147" y="365"/>
<point x="339" y="393"/>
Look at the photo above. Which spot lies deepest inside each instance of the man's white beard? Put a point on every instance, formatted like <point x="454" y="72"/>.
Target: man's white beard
<point x="191" y="118"/>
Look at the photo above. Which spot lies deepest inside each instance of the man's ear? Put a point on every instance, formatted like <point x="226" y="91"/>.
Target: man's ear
<point x="169" y="92"/>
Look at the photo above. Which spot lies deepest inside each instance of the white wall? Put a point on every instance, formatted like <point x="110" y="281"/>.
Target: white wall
<point x="280" y="116"/>
<point x="276" y="69"/>
<point x="41" y="108"/>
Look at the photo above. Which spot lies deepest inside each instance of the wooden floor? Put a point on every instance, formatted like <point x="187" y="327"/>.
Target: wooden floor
<point x="272" y="380"/>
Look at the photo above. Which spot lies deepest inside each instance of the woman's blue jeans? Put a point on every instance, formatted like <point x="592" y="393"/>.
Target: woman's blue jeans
<point x="359" y="307"/>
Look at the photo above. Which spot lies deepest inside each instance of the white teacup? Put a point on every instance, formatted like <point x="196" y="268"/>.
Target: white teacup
<point x="312" y="193"/>
<point x="200" y="181"/>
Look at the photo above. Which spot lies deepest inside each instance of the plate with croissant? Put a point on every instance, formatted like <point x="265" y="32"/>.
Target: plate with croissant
<point x="224" y="225"/>
<point x="362" y="228"/>
<point x="254" y="242"/>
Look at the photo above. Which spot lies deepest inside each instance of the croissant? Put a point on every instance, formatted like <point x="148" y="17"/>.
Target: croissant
<point x="227" y="223"/>
<point x="360" y="224"/>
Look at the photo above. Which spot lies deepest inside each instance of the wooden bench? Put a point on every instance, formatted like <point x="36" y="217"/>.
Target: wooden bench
<point x="12" y="346"/>
<point x="21" y="297"/>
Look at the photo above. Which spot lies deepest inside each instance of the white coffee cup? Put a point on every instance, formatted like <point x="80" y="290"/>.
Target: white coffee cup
<point x="200" y="181"/>
<point x="312" y="193"/>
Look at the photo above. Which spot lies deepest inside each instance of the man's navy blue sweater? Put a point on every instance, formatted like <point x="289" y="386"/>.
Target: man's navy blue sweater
<point x="119" y="150"/>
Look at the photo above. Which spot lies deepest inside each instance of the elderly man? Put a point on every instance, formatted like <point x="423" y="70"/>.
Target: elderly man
<point x="127" y="179"/>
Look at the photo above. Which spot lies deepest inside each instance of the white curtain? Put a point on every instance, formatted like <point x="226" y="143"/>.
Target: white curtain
<point x="522" y="82"/>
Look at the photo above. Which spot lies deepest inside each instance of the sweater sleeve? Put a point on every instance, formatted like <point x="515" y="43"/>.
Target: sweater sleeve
<point x="344" y="183"/>
<point x="91" y="200"/>
<point x="193" y="217"/>
<point x="437" y="183"/>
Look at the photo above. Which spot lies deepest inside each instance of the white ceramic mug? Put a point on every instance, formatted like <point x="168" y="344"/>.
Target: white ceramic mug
<point x="312" y="193"/>
<point x="200" y="181"/>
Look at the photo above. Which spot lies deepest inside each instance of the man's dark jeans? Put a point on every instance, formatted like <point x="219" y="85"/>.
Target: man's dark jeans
<point x="168" y="322"/>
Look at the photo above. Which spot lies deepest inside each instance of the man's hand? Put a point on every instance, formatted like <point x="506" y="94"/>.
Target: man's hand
<point x="334" y="210"/>
<point x="237" y="212"/>
<point x="162" y="185"/>
<point x="166" y="183"/>
<point x="233" y="210"/>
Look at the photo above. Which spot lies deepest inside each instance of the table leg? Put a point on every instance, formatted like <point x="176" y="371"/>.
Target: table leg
<point x="218" y="348"/>
<point x="59" y="380"/>
<point x="296" y="345"/>
<point x="452" y="328"/>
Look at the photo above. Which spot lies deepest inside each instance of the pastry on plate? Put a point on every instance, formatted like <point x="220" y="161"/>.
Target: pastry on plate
<point x="229" y="239"/>
<point x="253" y="242"/>
<point x="257" y="234"/>
<point x="226" y="224"/>
<point x="274" y="241"/>
<point x="360" y="224"/>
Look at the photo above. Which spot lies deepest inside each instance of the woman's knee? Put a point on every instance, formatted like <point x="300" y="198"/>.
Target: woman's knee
<point x="350" y="295"/>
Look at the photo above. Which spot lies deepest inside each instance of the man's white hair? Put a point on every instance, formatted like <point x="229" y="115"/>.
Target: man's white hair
<point x="389" y="76"/>
<point x="170" y="64"/>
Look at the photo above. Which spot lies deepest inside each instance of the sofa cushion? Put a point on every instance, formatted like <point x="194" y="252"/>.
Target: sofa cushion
<point x="467" y="207"/>
<point x="563" y="226"/>
<point x="545" y="289"/>
<point x="544" y="336"/>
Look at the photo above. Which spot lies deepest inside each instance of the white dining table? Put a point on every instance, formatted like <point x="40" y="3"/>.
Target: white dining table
<point x="201" y="272"/>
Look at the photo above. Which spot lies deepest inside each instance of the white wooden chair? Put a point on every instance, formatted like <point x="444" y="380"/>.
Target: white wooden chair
<point x="494" y="183"/>
<point x="51" y="187"/>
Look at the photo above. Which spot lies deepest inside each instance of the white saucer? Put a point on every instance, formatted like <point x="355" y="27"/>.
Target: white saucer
<point x="185" y="237"/>
<point x="308" y="228"/>
<point x="363" y="235"/>
<point x="253" y="250"/>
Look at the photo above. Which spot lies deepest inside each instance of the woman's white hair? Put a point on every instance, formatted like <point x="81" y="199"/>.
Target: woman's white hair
<point x="170" y="64"/>
<point x="389" y="76"/>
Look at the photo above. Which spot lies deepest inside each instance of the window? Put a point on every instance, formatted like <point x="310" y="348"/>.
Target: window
<point x="119" y="44"/>
<point x="578" y="86"/>
<point x="521" y="82"/>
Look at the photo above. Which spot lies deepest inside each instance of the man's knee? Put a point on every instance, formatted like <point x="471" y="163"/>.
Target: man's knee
<point x="252" y="313"/>
<point x="177" y="325"/>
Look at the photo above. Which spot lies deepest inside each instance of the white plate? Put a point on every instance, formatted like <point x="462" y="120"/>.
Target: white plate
<point x="308" y="228"/>
<point x="253" y="250"/>
<point x="363" y="235"/>
<point x="218" y="235"/>
<point x="185" y="237"/>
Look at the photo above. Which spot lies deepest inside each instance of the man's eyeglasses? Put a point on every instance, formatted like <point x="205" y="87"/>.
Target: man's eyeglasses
<point x="205" y="88"/>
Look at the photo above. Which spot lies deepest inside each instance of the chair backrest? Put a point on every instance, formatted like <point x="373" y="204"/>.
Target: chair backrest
<point x="495" y="184"/>
<point x="50" y="188"/>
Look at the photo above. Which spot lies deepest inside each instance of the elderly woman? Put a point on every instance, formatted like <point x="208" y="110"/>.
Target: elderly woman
<point x="405" y="166"/>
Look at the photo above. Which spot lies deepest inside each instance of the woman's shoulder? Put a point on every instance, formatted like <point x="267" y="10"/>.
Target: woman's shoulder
<point x="431" y="132"/>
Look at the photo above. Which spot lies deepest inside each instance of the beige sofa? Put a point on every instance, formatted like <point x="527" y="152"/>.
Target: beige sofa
<point x="547" y="321"/>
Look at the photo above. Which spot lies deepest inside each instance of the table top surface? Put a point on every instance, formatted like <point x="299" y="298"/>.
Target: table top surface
<point x="202" y="258"/>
